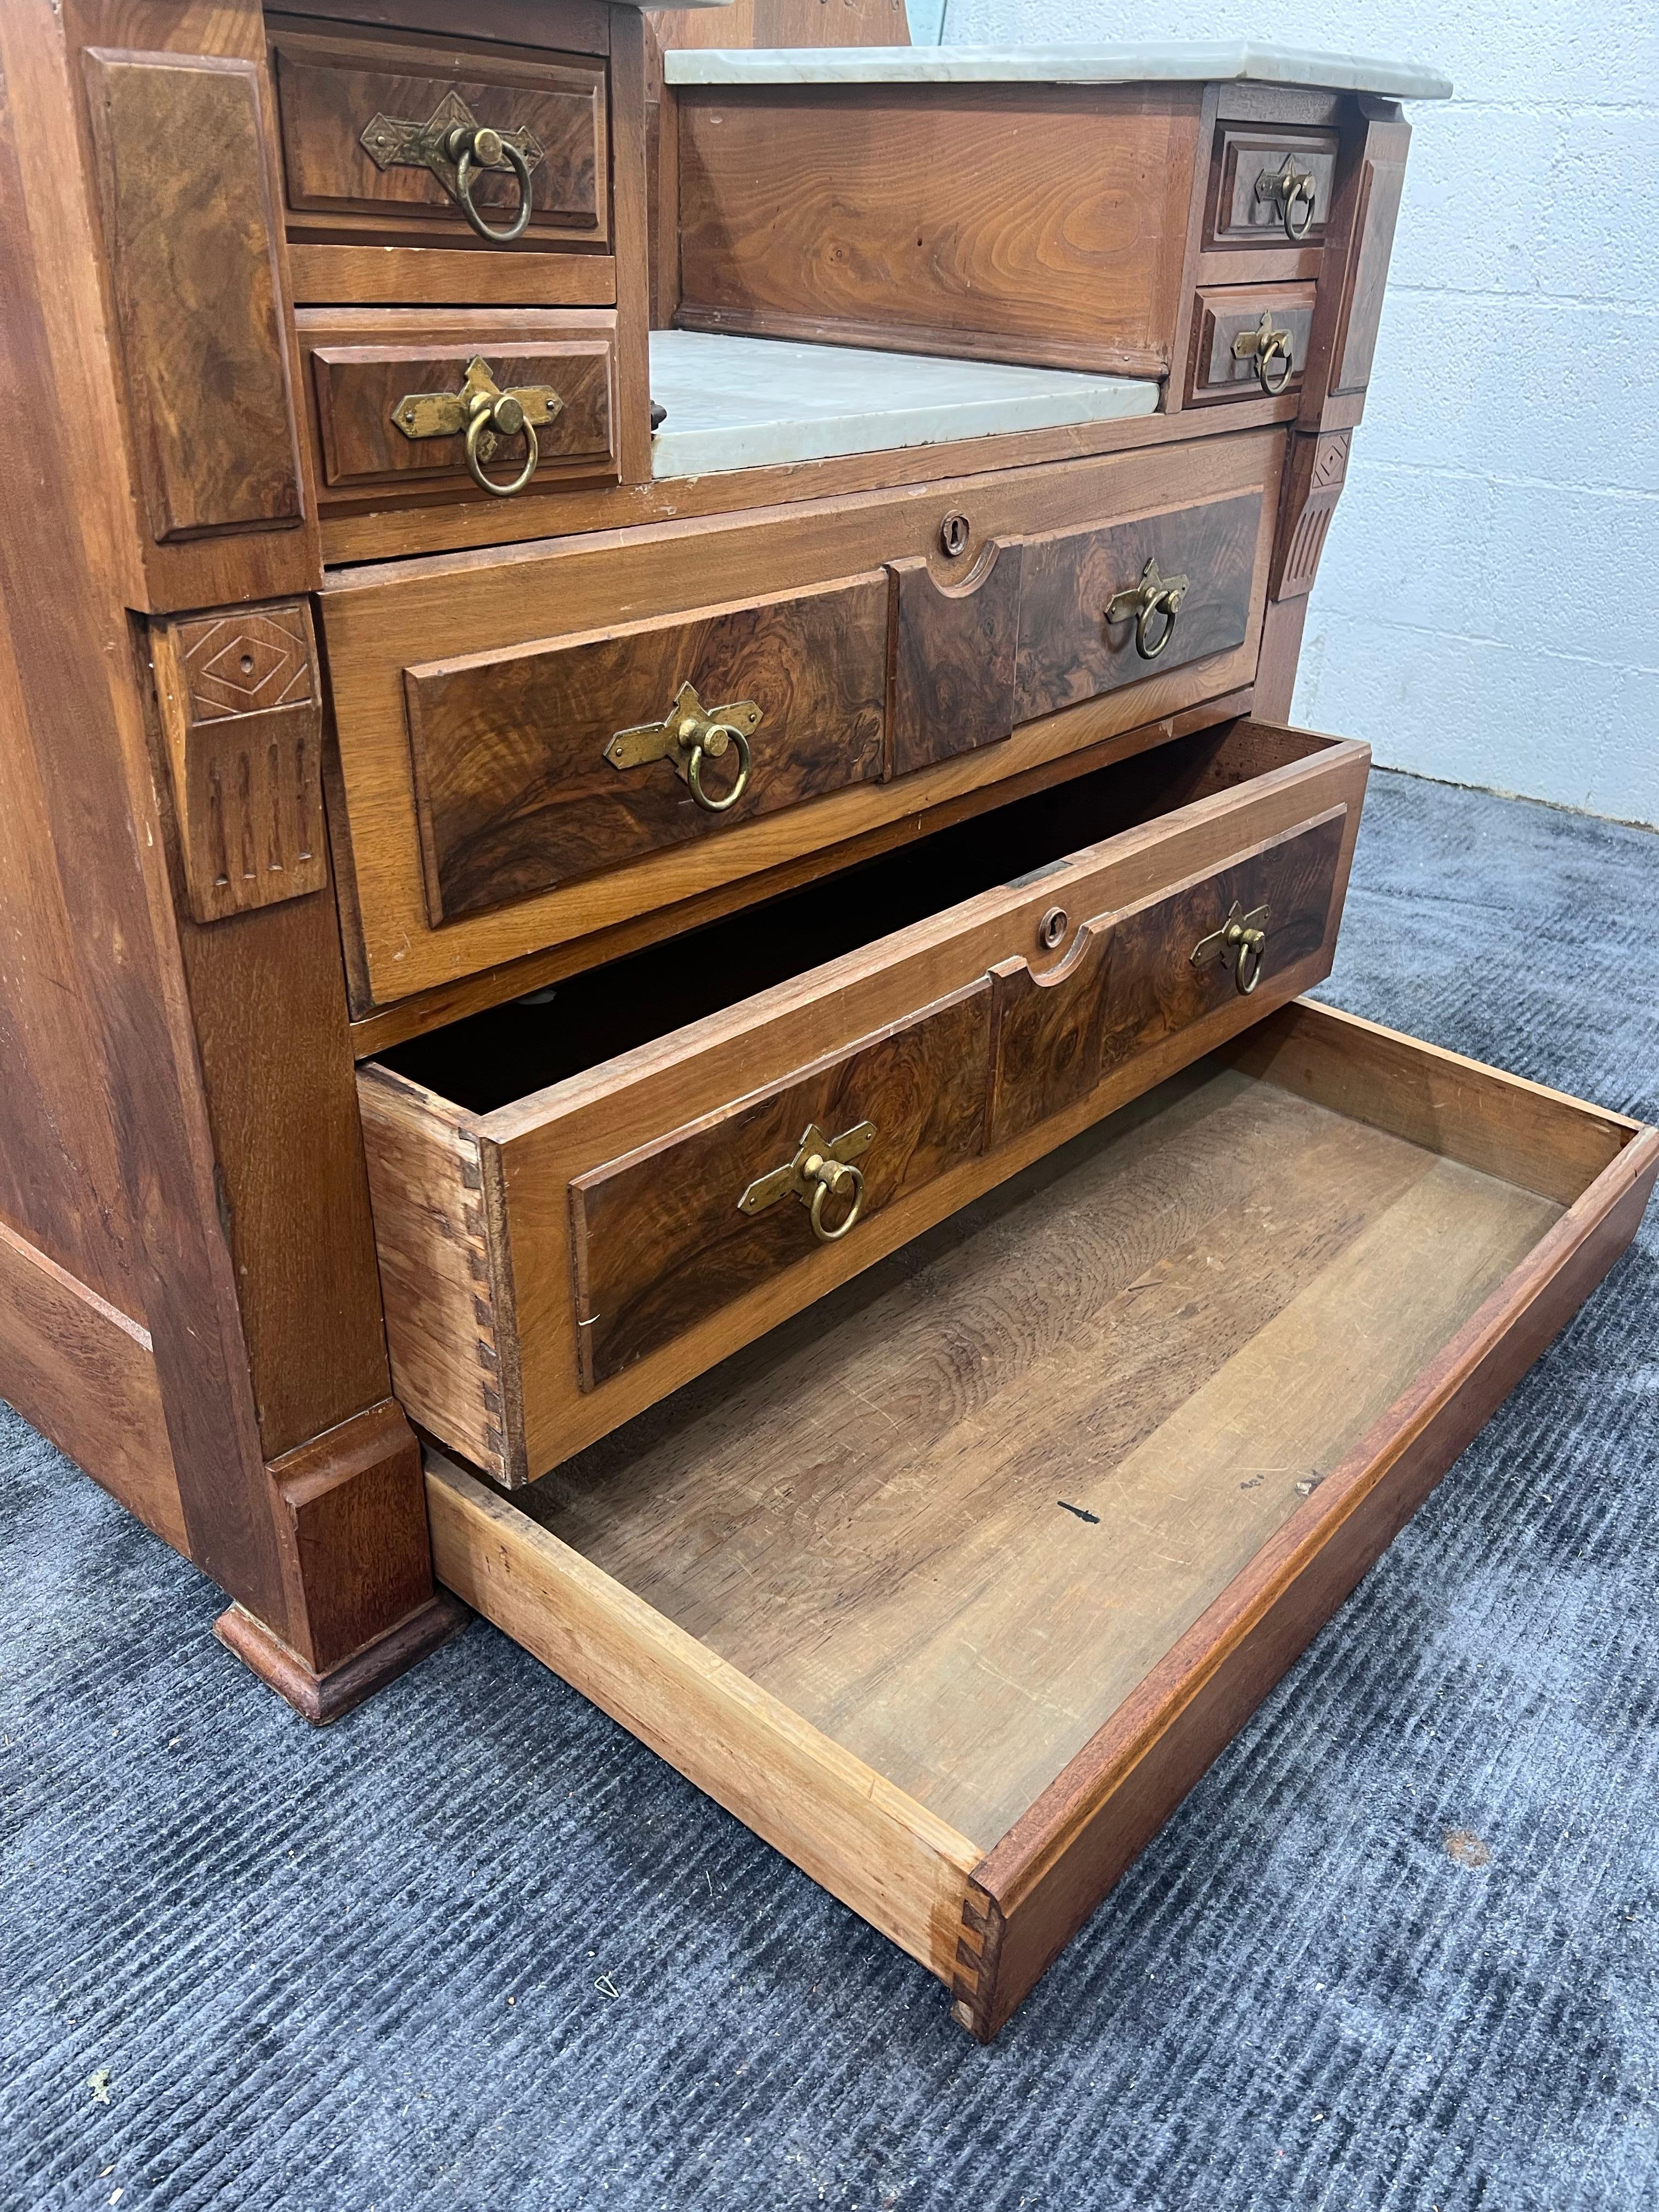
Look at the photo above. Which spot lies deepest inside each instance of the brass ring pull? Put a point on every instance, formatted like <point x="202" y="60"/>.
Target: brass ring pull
<point x="834" y="1176"/>
<point x="1301" y="195"/>
<point x="1154" y="596"/>
<point x="1278" y="347"/>
<point x="1240" y="944"/>
<point x="1252" y="946"/>
<point x="694" y="768"/>
<point x="502" y="416"/>
<point x="468" y="144"/>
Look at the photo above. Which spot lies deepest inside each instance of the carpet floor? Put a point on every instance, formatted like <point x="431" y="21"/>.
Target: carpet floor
<point x="475" y="1947"/>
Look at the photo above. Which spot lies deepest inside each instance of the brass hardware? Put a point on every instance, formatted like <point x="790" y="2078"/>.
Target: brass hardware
<point x="822" y="1166"/>
<point x="1289" y="188"/>
<point x="1240" y="944"/>
<point x="953" y="535"/>
<point x="688" y="734"/>
<point x="452" y="143"/>
<point x="1153" y="595"/>
<point x="1264" y="343"/>
<point x="1051" y="929"/>
<point x="487" y="415"/>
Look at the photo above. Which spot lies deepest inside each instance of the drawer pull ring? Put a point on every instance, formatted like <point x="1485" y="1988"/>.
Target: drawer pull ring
<point x="1154" y="598"/>
<point x="688" y="735"/>
<point x="1289" y="188"/>
<point x="822" y="1168"/>
<point x="1240" y="944"/>
<point x="466" y="145"/>
<point x="484" y="414"/>
<point x="1262" y="346"/>
<point x="453" y="145"/>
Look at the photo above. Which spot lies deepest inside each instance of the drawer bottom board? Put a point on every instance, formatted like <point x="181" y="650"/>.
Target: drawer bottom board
<point x="951" y="1585"/>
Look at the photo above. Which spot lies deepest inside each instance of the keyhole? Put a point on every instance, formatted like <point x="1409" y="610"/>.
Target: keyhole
<point x="953" y="535"/>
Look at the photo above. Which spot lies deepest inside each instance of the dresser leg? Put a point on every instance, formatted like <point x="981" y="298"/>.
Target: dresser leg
<point x="323" y="1698"/>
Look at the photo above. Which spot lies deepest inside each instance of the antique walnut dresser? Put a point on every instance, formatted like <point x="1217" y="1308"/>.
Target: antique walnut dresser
<point x="688" y="1032"/>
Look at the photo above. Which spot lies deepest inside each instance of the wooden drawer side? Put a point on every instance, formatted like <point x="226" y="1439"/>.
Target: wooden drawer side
<point x="658" y="1238"/>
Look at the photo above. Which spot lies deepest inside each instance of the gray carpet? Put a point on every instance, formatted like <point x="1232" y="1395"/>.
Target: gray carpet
<point x="475" y="1948"/>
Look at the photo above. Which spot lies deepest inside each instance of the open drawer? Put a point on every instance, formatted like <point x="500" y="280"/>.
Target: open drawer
<point x="581" y="1200"/>
<point x="952" y="1587"/>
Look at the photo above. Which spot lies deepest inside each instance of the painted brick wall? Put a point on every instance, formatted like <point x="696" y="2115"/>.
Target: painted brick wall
<point x="1488" y="606"/>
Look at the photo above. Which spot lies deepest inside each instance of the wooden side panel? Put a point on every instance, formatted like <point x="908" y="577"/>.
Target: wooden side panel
<point x="448" y="1332"/>
<point x="1129" y="982"/>
<point x="241" y="715"/>
<point x="1382" y="182"/>
<point x="897" y="1865"/>
<point x="1068" y="651"/>
<point x="359" y="381"/>
<point x="888" y="219"/>
<point x="342" y="97"/>
<point x="953" y="657"/>
<point x="84" y="1374"/>
<point x="516" y="792"/>
<point x="189" y="232"/>
<point x="1315" y="471"/>
<point x="657" y="1236"/>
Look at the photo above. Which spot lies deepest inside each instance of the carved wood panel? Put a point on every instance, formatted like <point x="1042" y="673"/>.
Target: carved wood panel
<point x="242" y="719"/>
<point x="1381" y="181"/>
<point x="1316" y="470"/>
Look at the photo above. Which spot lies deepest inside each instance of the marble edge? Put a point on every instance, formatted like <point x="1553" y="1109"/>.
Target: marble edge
<point x="1181" y="61"/>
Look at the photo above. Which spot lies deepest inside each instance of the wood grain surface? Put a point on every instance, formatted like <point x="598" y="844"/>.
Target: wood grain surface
<point x="1068" y="651"/>
<point x="658" y="1239"/>
<point x="953" y="647"/>
<point x="516" y="793"/>
<point x="1024" y="223"/>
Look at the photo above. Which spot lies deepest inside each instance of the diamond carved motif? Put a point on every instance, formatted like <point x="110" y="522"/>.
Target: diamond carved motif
<point x="244" y="664"/>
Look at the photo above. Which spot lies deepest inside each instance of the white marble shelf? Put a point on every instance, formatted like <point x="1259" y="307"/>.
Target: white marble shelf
<point x="739" y="402"/>
<point x="1165" y="61"/>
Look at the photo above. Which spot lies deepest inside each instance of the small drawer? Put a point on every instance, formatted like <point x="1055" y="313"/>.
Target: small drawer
<point x="516" y="731"/>
<point x="1249" y="339"/>
<point x="391" y="399"/>
<point x="582" y="1200"/>
<point x="1270" y="186"/>
<point x="953" y="1586"/>
<point x="364" y="123"/>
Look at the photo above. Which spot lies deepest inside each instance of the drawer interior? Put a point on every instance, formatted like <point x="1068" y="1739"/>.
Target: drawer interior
<point x="495" y="1057"/>
<point x="974" y="1530"/>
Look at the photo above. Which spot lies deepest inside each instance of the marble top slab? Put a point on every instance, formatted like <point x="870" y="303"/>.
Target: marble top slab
<point x="741" y="402"/>
<point x="1168" y="61"/>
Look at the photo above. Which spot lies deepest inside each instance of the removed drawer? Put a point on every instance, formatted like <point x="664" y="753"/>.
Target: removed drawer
<point x="578" y="1204"/>
<point x="953" y="1587"/>
<point x="371" y="155"/>
<point x="517" y="729"/>
<point x="393" y="398"/>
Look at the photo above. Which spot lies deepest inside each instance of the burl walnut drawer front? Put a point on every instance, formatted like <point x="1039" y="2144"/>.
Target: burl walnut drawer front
<point x="392" y="396"/>
<point x="581" y="1201"/>
<point x="539" y="767"/>
<point x="380" y="144"/>
<point x="952" y="1589"/>
<point x="541" y="745"/>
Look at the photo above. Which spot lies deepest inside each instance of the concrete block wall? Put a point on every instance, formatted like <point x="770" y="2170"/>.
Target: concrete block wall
<point x="1487" y="610"/>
